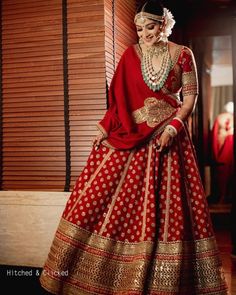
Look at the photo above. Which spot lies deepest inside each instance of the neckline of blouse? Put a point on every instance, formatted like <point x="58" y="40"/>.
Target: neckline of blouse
<point x="174" y="57"/>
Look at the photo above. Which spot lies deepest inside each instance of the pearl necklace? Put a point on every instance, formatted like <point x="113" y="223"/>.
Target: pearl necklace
<point x="156" y="79"/>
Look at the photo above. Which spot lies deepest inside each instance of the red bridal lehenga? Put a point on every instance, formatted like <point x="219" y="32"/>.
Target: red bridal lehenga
<point x="137" y="220"/>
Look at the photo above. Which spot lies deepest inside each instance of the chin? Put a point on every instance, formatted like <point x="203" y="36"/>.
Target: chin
<point x="151" y="43"/>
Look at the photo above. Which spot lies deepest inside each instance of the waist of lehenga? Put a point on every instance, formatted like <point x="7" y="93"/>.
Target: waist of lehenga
<point x="154" y="111"/>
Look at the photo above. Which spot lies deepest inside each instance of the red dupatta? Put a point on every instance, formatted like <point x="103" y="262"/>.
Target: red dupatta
<point x="135" y="111"/>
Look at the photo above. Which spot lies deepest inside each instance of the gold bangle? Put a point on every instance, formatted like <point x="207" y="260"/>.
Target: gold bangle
<point x="171" y="130"/>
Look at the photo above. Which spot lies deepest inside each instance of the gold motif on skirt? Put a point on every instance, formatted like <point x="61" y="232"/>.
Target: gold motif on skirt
<point x="153" y="112"/>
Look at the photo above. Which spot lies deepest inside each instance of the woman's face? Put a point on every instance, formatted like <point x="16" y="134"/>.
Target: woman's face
<point x="148" y="31"/>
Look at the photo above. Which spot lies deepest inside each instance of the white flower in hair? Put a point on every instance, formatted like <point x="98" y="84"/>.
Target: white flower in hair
<point x="169" y="23"/>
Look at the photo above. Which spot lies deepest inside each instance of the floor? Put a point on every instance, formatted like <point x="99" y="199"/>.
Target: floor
<point x="229" y="262"/>
<point x="221" y="224"/>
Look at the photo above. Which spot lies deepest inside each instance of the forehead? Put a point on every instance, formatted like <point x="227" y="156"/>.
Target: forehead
<point x="143" y="21"/>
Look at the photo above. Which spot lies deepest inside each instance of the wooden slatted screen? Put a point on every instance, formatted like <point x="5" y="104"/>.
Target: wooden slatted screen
<point x="87" y="81"/>
<point x="33" y="120"/>
<point x="119" y="31"/>
<point x="125" y="33"/>
<point x="33" y="80"/>
<point x="109" y="39"/>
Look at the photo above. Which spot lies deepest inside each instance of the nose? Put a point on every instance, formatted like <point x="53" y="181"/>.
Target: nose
<point x="146" y="33"/>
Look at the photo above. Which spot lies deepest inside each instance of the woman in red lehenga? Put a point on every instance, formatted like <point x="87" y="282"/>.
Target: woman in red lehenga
<point x="137" y="220"/>
<point x="223" y="154"/>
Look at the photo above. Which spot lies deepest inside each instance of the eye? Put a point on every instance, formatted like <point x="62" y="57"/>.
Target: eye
<point x="151" y="27"/>
<point x="139" y="30"/>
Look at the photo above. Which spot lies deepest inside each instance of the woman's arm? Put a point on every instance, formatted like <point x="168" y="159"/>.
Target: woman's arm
<point x="190" y="93"/>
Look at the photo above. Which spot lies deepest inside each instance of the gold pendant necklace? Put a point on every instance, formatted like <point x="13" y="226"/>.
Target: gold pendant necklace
<point x="156" y="79"/>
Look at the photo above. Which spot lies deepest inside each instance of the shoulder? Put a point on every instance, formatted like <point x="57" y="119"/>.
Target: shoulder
<point x="182" y="48"/>
<point x="185" y="55"/>
<point x="129" y="51"/>
<point x="187" y="51"/>
<point x="128" y="54"/>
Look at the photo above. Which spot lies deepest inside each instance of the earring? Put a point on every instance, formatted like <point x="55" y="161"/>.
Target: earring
<point x="140" y="41"/>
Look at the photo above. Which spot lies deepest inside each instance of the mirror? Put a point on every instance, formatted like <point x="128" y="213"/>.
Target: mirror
<point x="219" y="166"/>
<point x="221" y="121"/>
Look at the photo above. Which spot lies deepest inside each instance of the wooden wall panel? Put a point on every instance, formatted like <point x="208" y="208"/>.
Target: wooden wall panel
<point x="33" y="103"/>
<point x="125" y="33"/>
<point x="33" y="89"/>
<point x="109" y="39"/>
<point x="119" y="31"/>
<point x="87" y="82"/>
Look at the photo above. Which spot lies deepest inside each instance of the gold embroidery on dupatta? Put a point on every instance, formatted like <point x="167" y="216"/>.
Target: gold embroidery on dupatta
<point x="90" y="181"/>
<point x="153" y="112"/>
<point x="174" y="96"/>
<point x="116" y="194"/>
<point x="102" y="130"/>
<point x="166" y="224"/>
<point x="99" y="265"/>
<point x="146" y="191"/>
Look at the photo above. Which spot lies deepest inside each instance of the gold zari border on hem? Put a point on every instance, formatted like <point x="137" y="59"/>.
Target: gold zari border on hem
<point x="76" y="233"/>
<point x="99" y="265"/>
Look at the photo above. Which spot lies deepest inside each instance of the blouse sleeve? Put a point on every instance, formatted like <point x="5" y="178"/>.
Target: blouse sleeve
<point x="189" y="73"/>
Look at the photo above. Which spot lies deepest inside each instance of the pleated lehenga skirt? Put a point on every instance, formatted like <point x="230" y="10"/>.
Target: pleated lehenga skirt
<point x="136" y="222"/>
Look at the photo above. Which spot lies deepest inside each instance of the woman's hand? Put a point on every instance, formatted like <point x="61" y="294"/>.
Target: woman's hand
<point x="164" y="141"/>
<point x="97" y="140"/>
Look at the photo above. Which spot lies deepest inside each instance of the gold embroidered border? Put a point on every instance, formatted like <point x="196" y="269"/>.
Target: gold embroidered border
<point x="166" y="224"/>
<point x="156" y="132"/>
<point x="153" y="112"/>
<point x="98" y="265"/>
<point x="90" y="181"/>
<point x="102" y="130"/>
<point x="189" y="83"/>
<point x="146" y="191"/>
<point x="116" y="193"/>
<point x="75" y="233"/>
<point x="174" y="96"/>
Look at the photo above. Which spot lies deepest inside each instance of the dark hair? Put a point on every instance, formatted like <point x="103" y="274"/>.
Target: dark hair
<point x="152" y="6"/>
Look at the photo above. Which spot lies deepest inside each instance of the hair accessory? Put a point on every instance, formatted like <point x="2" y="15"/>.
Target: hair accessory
<point x="169" y="23"/>
<point x="144" y="15"/>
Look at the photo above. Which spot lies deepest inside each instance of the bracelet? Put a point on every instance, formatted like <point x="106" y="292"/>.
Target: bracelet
<point x="177" y="123"/>
<point x="171" y="130"/>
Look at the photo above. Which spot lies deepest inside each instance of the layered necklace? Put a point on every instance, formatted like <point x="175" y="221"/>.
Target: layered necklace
<point x="155" y="79"/>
